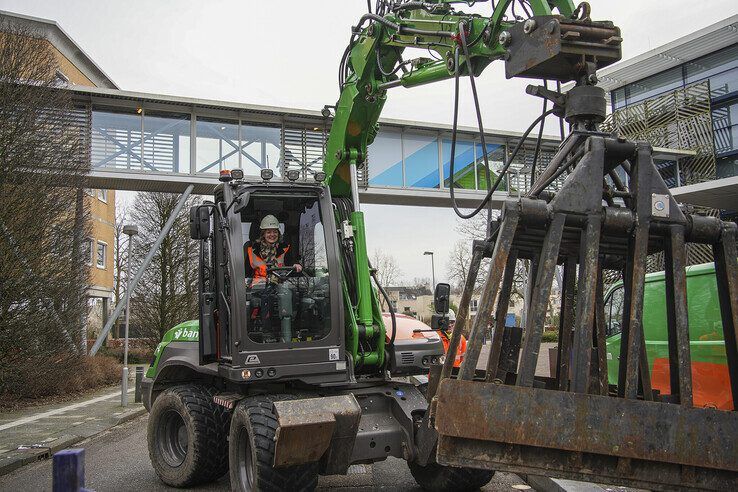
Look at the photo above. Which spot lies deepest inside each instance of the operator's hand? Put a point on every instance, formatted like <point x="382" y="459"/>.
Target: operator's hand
<point x="298" y="267"/>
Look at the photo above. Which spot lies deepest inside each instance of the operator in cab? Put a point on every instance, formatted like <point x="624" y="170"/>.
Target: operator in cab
<point x="268" y="250"/>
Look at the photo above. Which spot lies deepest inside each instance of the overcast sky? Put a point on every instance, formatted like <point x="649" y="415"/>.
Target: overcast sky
<point x="286" y="53"/>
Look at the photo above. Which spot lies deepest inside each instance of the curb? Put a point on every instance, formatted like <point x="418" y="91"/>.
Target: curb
<point x="130" y="415"/>
<point x="19" y="458"/>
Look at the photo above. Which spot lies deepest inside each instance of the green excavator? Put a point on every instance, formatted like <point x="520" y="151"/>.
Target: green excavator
<point x="282" y="380"/>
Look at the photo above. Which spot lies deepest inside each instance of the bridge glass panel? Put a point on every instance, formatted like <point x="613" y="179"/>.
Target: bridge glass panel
<point x="167" y="141"/>
<point x="385" y="159"/>
<point x="217" y="145"/>
<point x="421" y="161"/>
<point x="115" y="142"/>
<point x="260" y="148"/>
<point x="463" y="164"/>
<point x="495" y="157"/>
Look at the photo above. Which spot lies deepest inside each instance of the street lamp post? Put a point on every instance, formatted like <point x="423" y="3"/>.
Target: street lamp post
<point x="433" y="268"/>
<point x="130" y="230"/>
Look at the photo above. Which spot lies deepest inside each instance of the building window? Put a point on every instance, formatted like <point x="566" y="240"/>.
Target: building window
<point x="102" y="251"/>
<point x="87" y="251"/>
<point x="394" y="305"/>
<point x="474" y="305"/>
<point x="654" y="85"/>
<point x="90" y="191"/>
<point x="102" y="195"/>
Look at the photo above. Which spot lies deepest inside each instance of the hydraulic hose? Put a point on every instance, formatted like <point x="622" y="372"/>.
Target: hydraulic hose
<point x="391" y="342"/>
<point x="509" y="160"/>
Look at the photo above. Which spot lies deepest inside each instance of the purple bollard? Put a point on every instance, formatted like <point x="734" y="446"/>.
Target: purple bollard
<point x="69" y="471"/>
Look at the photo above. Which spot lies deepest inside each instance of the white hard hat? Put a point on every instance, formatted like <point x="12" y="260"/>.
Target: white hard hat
<point x="269" y="222"/>
<point x="451" y="315"/>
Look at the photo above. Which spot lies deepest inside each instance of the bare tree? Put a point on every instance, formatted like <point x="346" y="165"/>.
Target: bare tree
<point x="43" y="220"/>
<point x="461" y="255"/>
<point x="421" y="284"/>
<point x="458" y="264"/>
<point x="167" y="293"/>
<point x="388" y="271"/>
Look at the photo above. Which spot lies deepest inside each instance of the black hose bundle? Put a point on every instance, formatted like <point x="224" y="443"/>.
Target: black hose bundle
<point x="509" y="160"/>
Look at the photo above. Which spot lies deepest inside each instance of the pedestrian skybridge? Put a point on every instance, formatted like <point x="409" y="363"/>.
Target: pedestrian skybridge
<point x="147" y="142"/>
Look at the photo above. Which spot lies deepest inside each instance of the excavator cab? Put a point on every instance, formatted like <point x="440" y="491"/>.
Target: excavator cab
<point x="292" y="303"/>
<point x="285" y="324"/>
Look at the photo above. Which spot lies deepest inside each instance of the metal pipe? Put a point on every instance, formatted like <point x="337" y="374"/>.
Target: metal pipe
<point x="354" y="186"/>
<point x="121" y="304"/>
<point x="124" y="381"/>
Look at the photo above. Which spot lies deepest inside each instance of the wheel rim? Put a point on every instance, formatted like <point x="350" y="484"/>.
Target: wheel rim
<point x="246" y="473"/>
<point x="173" y="438"/>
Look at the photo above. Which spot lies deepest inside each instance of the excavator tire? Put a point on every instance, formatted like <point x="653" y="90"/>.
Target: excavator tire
<point x="438" y="478"/>
<point x="251" y="451"/>
<point x="187" y="436"/>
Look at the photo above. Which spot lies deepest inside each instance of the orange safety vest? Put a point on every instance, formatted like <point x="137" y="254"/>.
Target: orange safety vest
<point x="260" y="266"/>
<point x="460" y="353"/>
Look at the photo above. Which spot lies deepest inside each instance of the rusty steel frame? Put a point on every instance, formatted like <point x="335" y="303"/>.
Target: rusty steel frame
<point x="576" y="420"/>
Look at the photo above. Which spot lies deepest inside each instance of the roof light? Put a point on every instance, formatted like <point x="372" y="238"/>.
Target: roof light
<point x="319" y="176"/>
<point x="267" y="174"/>
<point x="225" y="175"/>
<point x="237" y="173"/>
<point x="293" y="174"/>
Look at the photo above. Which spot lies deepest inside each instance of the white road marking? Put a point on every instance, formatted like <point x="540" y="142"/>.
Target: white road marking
<point x="57" y="411"/>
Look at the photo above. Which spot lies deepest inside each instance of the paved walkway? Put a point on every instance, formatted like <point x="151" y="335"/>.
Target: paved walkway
<point x="36" y="433"/>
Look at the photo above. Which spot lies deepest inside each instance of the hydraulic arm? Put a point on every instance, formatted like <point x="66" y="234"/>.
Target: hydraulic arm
<point x="461" y="44"/>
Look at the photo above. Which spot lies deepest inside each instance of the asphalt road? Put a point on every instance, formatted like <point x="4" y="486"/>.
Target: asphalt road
<point x="118" y="460"/>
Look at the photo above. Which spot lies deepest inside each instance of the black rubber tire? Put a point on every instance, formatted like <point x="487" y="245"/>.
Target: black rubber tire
<point x="187" y="413"/>
<point x="251" y="451"/>
<point x="438" y="478"/>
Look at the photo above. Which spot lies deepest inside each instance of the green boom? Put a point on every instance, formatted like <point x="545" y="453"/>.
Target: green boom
<point x="375" y="52"/>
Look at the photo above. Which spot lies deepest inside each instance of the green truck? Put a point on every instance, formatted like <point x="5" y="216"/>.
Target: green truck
<point x="710" y="376"/>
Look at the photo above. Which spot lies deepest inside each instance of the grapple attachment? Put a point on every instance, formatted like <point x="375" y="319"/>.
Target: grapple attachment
<point x="613" y="210"/>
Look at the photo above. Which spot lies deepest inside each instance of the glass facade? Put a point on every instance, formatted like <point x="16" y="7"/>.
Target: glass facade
<point x="496" y="159"/>
<point x="143" y="140"/>
<point x="167" y="141"/>
<point x="116" y="140"/>
<point x="421" y="161"/>
<point x="464" y="164"/>
<point x="414" y="159"/>
<point x="217" y="145"/>
<point x="260" y="148"/>
<point x="385" y="160"/>
<point x="721" y="69"/>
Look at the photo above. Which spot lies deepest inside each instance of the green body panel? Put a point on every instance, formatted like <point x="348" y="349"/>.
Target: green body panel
<point x="360" y="104"/>
<point x="703" y="310"/>
<point x="187" y="331"/>
<point x="362" y="274"/>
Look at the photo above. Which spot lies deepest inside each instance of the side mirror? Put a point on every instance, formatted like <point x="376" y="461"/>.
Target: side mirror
<point x="441" y="298"/>
<point x="241" y="201"/>
<point x="199" y="222"/>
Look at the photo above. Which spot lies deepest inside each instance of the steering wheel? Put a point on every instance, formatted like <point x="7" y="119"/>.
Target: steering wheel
<point x="282" y="272"/>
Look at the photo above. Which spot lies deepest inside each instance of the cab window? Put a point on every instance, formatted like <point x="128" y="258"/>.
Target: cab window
<point x="286" y="303"/>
